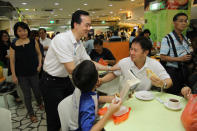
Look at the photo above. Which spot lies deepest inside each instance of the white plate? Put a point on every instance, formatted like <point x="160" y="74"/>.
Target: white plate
<point x="172" y="108"/>
<point x="122" y="110"/>
<point x="144" y="95"/>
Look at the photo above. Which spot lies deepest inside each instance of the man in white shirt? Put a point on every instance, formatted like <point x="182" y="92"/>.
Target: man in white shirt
<point x="44" y="40"/>
<point x="138" y="63"/>
<point x="65" y="52"/>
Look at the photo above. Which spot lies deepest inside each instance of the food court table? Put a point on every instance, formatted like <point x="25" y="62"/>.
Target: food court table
<point x="150" y="115"/>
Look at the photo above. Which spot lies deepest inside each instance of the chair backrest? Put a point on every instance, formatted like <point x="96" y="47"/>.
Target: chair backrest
<point x="64" y="110"/>
<point x="5" y="120"/>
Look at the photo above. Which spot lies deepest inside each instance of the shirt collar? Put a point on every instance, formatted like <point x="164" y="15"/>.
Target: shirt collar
<point x="145" y="65"/>
<point x="90" y="93"/>
<point x="74" y="41"/>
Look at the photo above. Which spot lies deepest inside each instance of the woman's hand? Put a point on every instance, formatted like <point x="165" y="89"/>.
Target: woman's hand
<point x="39" y="68"/>
<point x="14" y="79"/>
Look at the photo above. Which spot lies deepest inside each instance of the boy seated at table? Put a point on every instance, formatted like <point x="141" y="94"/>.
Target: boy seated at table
<point x="85" y="78"/>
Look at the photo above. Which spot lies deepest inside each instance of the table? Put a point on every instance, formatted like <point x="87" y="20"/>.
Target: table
<point x="150" y="115"/>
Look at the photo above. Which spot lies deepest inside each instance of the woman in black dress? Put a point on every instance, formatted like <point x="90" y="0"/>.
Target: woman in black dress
<point x="26" y="62"/>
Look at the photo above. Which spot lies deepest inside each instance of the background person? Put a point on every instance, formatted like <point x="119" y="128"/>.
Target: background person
<point x="99" y="52"/>
<point x="176" y="66"/>
<point x="4" y="57"/>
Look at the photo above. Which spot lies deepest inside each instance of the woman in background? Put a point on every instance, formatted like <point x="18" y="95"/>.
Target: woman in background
<point x="4" y="57"/>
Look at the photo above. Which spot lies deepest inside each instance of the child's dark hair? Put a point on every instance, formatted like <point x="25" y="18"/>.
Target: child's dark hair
<point x="85" y="76"/>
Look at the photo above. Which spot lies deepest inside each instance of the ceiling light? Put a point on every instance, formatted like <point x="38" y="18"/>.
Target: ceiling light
<point x="55" y="15"/>
<point x="111" y="12"/>
<point x="24" y="3"/>
<point x="61" y="9"/>
<point x="26" y="9"/>
<point x="56" y="3"/>
<point x="93" y="12"/>
<point x="69" y="15"/>
<point x="78" y="9"/>
<point x="132" y="0"/>
<point x="85" y="4"/>
<point x="121" y="9"/>
<point x="110" y="5"/>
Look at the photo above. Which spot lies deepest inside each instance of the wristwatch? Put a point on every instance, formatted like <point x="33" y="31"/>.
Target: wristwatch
<point x="164" y="85"/>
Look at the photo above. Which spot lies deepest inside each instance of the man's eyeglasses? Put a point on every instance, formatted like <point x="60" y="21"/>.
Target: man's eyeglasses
<point x="181" y="21"/>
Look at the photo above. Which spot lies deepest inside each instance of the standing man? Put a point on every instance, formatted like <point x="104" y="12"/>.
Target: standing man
<point x="65" y="52"/>
<point x="176" y="57"/>
<point x="44" y="40"/>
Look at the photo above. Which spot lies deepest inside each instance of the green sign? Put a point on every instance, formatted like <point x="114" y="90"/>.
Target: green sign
<point x="103" y="22"/>
<point x="52" y="22"/>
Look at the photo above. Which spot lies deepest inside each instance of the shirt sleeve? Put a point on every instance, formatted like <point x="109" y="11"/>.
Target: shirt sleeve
<point x="87" y="116"/>
<point x="164" y="47"/>
<point x="63" y="50"/>
<point x="160" y="71"/>
<point x="84" y="54"/>
<point x="118" y="72"/>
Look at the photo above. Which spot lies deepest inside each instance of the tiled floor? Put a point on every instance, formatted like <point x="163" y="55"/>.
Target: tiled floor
<point x="20" y="120"/>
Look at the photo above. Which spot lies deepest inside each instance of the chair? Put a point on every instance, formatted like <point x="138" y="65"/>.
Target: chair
<point x="5" y="97"/>
<point x="5" y="120"/>
<point x="64" y="110"/>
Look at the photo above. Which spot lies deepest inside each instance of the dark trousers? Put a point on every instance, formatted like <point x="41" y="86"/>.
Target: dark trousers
<point x="26" y="83"/>
<point x="179" y="78"/>
<point x="54" y="90"/>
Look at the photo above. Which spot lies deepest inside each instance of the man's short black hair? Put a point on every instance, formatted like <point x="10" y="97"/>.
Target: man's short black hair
<point x="147" y="31"/>
<point x="144" y="42"/>
<point x="85" y="76"/>
<point x="42" y="29"/>
<point x="76" y="17"/>
<point x="22" y="25"/>
<point x="179" y="14"/>
<point x="98" y="42"/>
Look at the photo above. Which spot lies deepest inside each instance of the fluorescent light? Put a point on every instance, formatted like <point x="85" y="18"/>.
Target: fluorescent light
<point x="55" y="15"/>
<point x="26" y="9"/>
<point x="121" y="9"/>
<point x="132" y="0"/>
<point x="61" y="9"/>
<point x="110" y="5"/>
<point x="111" y="12"/>
<point x="23" y="3"/>
<point x="56" y="3"/>
<point x="85" y="4"/>
<point x="93" y="12"/>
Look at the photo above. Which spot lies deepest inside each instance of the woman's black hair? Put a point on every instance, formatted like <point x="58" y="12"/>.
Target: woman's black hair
<point x="22" y="25"/>
<point x="1" y="34"/>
